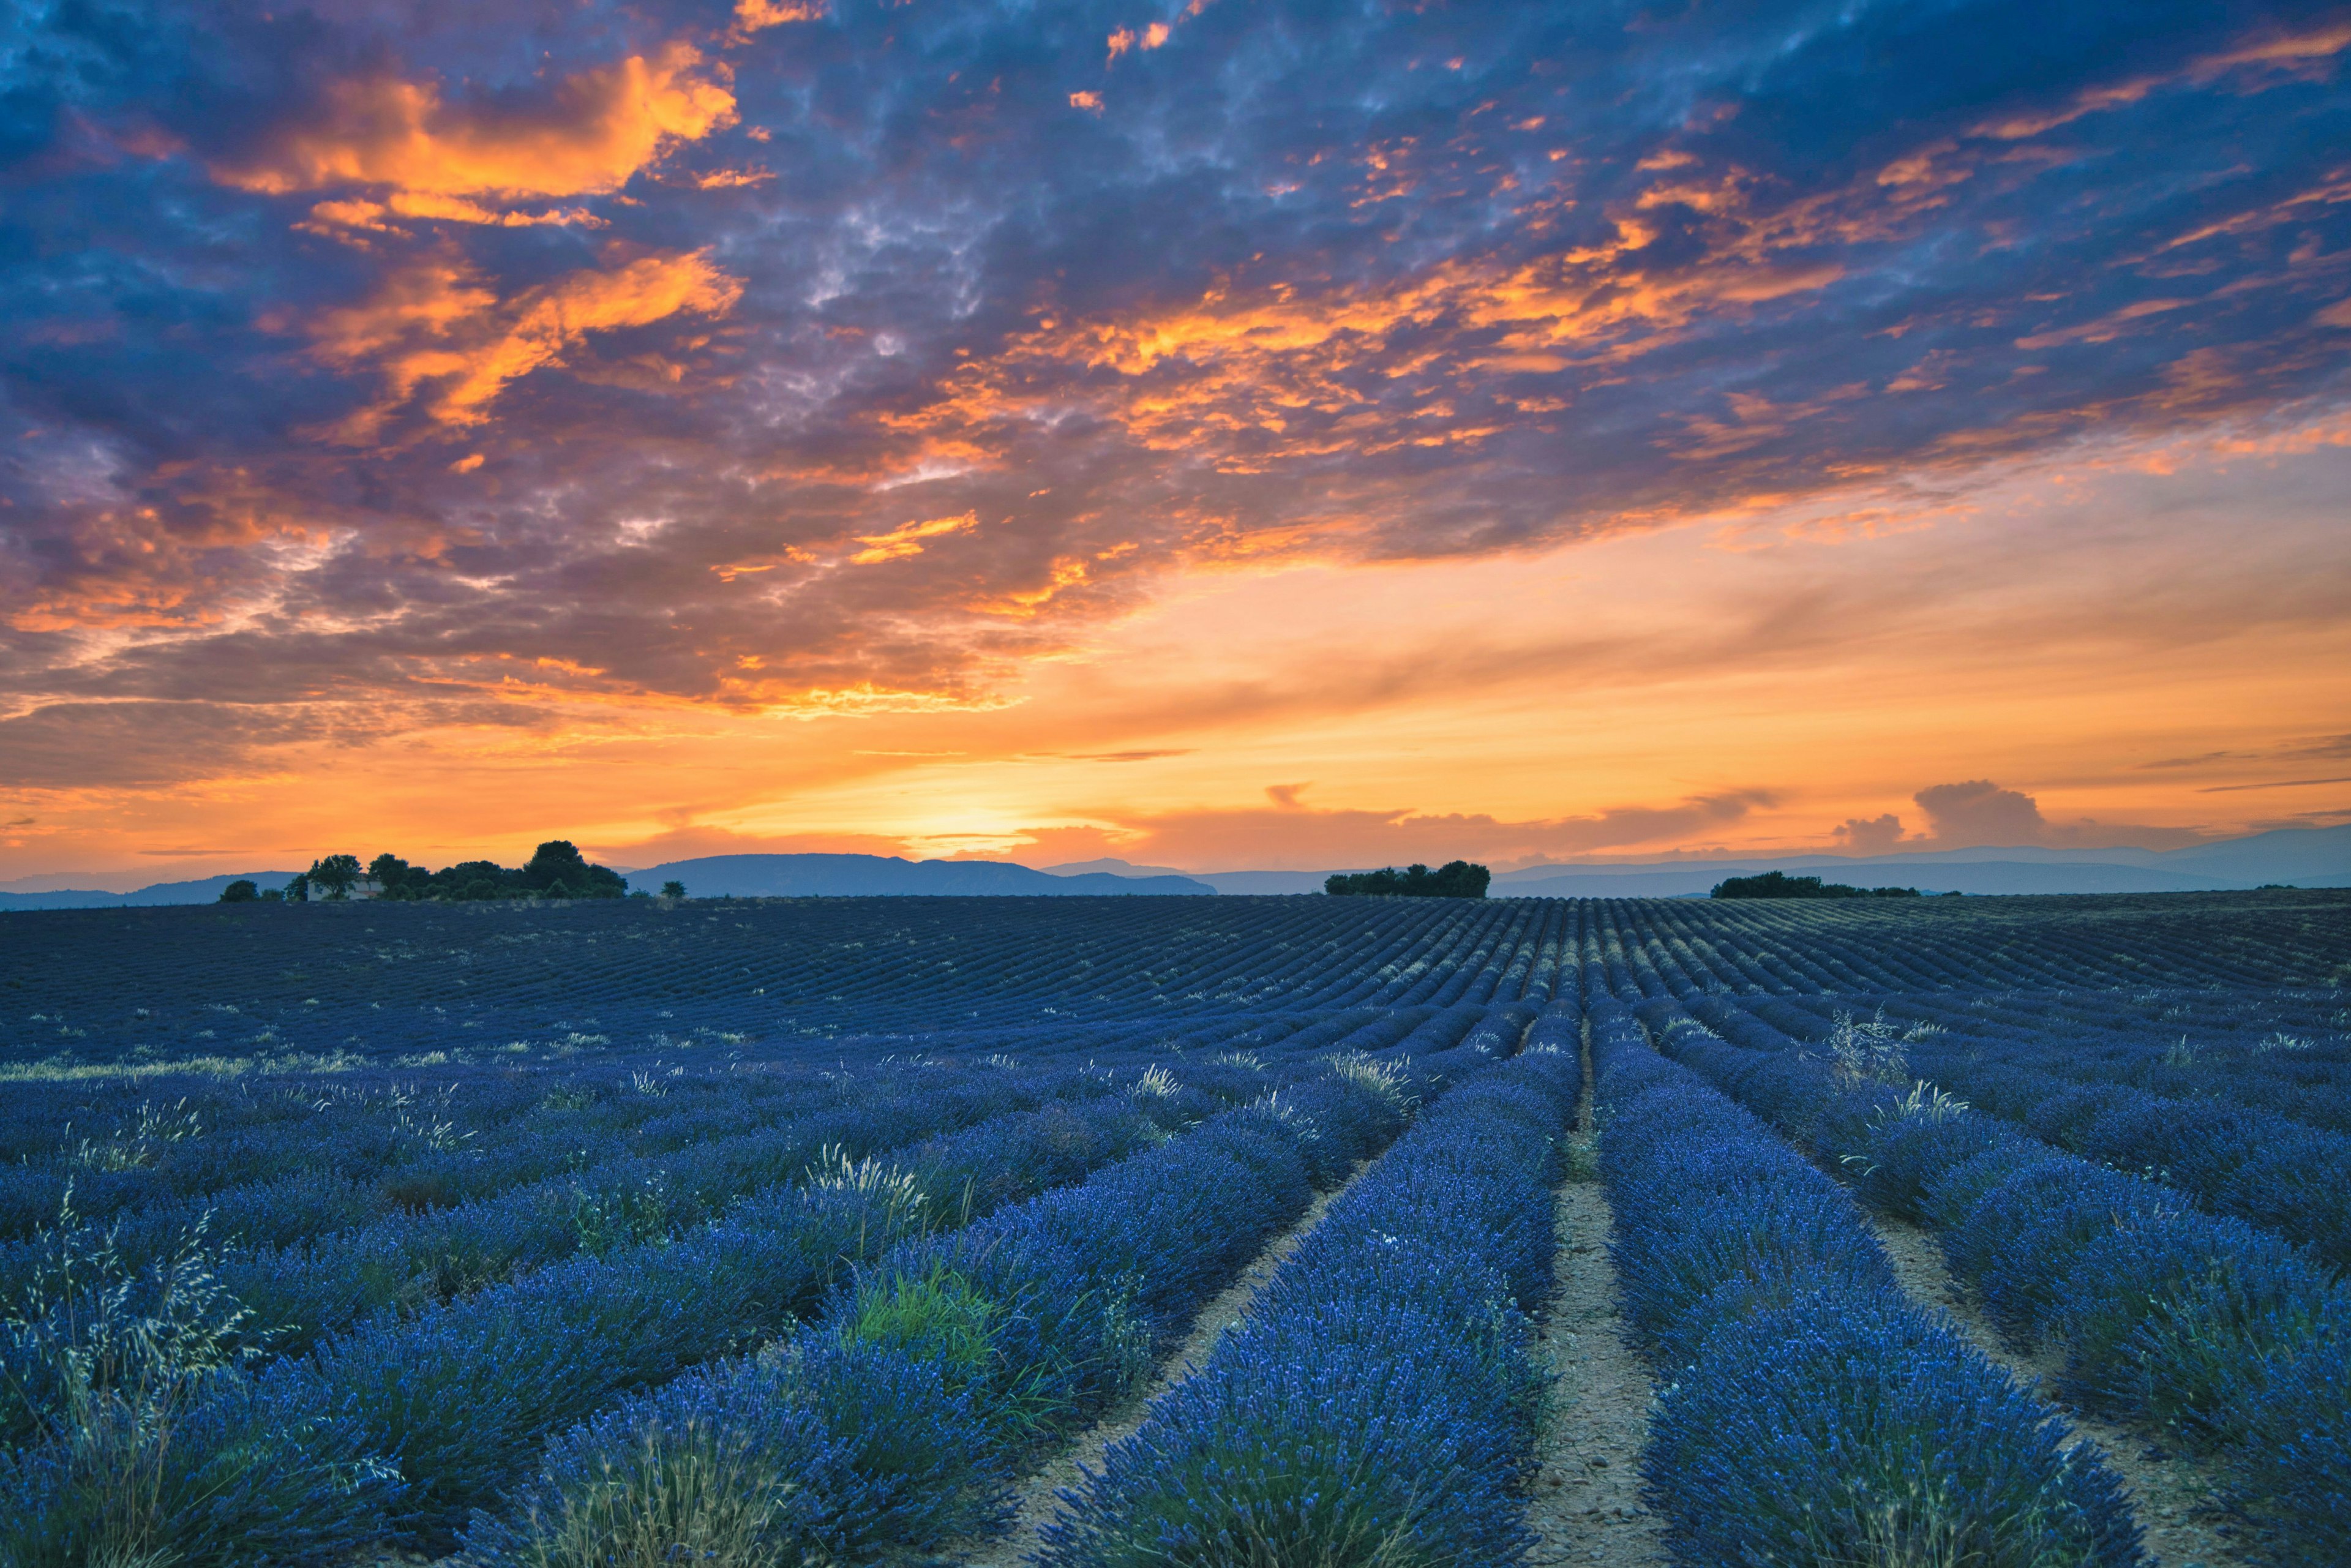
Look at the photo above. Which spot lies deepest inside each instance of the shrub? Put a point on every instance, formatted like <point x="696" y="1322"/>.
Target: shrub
<point x="1853" y="1429"/>
<point x="2296" y="1458"/>
<point x="1348" y="1433"/>
<point x="2177" y="1320"/>
<point x="239" y="1476"/>
<point x="817" y="1454"/>
<point x="141" y="1439"/>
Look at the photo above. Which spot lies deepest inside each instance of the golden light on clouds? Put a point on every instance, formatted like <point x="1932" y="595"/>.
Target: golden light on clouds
<point x="436" y="158"/>
<point x="907" y="538"/>
<point x="1745" y="684"/>
<point x="437" y="324"/>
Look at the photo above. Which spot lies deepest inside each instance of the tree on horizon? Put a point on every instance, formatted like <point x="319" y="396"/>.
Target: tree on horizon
<point x="1454" y="879"/>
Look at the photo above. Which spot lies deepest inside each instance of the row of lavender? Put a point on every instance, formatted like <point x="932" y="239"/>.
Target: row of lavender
<point x="400" y="1427"/>
<point x="1379" y="1404"/>
<point x="2229" y="1338"/>
<point x="1810" y="1411"/>
<point x="894" y="1423"/>
<point x="2253" y="1163"/>
<point x="2292" y="1060"/>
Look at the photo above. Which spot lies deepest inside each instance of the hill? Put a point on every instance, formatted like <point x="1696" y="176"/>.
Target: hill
<point x="868" y="876"/>
<point x="204" y="890"/>
<point x="2305" y="857"/>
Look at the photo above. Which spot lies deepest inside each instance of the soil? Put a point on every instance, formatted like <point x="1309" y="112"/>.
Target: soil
<point x="2173" y="1495"/>
<point x="1587" y="1506"/>
<point x="1039" y="1497"/>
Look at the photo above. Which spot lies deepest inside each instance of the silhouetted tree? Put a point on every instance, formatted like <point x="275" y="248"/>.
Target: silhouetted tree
<point x="672" y="890"/>
<point x="1780" y="884"/>
<point x="243" y="890"/>
<point x="337" y="874"/>
<point x="558" y="870"/>
<point x="554" y="870"/>
<point x="297" y="891"/>
<point x="1454" y="879"/>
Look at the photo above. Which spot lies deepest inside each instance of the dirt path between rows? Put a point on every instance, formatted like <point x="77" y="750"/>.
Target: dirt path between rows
<point x="2171" y="1495"/>
<point x="1587" y="1507"/>
<point x="1039" y="1501"/>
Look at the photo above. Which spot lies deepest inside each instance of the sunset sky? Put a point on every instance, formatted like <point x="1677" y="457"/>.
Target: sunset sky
<point x="1217" y="434"/>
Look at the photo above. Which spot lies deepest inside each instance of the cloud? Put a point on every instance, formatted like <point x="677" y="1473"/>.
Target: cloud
<point x="589" y="135"/>
<point x="753" y="15"/>
<point x="907" y="539"/>
<point x="1141" y="755"/>
<point x="1979" y="813"/>
<point x="2273" y="784"/>
<point x="437" y="324"/>
<point x="1292" y="836"/>
<point x="1870" y="836"/>
<point x="690" y="842"/>
<point x="127" y="746"/>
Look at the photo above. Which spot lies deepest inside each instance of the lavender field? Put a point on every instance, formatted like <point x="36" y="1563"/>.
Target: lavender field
<point x="1216" y="1232"/>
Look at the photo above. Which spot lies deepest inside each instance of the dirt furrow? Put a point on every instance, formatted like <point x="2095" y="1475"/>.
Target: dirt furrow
<point x="2173" y="1495"/>
<point x="1586" y="1506"/>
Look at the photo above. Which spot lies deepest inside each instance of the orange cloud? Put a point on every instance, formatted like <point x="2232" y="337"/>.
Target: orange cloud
<point x="2299" y="57"/>
<point x="752" y="15"/>
<point x="2107" y="328"/>
<point x="468" y="163"/>
<point x="907" y="539"/>
<point x="1065" y="573"/>
<point x="1244" y="377"/>
<point x="437" y="322"/>
<point x="1122" y="39"/>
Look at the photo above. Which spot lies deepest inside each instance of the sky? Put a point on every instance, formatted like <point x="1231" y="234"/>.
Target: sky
<point x="1213" y="434"/>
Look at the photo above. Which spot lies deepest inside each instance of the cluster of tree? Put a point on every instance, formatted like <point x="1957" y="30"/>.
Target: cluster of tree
<point x="1780" y="884"/>
<point x="556" y="870"/>
<point x="1454" y="879"/>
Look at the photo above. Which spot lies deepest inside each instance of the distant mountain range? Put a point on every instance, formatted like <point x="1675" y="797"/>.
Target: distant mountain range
<point x="852" y="876"/>
<point x="204" y="890"/>
<point x="2303" y="857"/>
